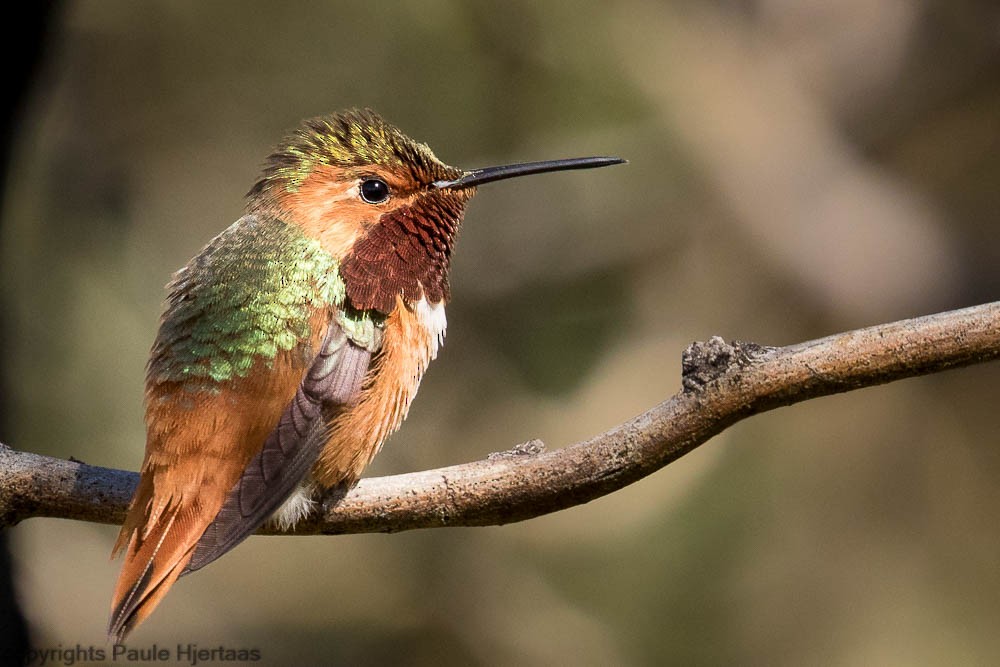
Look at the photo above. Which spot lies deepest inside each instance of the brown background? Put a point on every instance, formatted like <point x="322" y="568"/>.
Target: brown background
<point x="796" y="169"/>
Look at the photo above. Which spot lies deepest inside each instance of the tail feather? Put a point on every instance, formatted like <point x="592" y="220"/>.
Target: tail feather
<point x="151" y="567"/>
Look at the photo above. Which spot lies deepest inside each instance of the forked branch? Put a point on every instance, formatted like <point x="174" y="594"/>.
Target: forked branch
<point x="722" y="384"/>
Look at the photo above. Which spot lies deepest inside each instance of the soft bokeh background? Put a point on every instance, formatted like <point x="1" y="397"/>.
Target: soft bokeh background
<point x="796" y="169"/>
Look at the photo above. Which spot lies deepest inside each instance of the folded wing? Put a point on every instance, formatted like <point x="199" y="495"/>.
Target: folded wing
<point x="333" y="381"/>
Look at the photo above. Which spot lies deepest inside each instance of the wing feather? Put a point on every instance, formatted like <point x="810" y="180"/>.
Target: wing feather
<point x="333" y="381"/>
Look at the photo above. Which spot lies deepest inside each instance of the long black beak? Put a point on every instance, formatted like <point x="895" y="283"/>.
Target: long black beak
<point x="488" y="174"/>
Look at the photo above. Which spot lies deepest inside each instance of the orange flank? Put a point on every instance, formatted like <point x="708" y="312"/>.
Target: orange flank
<point x="357" y="434"/>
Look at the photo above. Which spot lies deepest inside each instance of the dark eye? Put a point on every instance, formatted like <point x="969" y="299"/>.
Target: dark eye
<point x="374" y="190"/>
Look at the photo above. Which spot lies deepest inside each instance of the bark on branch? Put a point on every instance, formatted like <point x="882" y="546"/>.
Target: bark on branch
<point x="722" y="384"/>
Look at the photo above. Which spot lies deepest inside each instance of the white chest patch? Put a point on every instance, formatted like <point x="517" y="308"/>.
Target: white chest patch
<point x="433" y="319"/>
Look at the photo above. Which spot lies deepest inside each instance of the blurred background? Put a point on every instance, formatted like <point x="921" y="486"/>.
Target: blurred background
<point x="796" y="169"/>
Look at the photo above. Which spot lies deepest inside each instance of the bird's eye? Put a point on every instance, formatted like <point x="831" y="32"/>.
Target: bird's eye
<point x="374" y="190"/>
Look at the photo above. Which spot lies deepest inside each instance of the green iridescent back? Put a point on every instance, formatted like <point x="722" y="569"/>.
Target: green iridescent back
<point x="249" y="294"/>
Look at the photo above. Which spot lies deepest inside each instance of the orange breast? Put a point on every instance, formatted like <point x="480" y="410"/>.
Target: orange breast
<point x="411" y="340"/>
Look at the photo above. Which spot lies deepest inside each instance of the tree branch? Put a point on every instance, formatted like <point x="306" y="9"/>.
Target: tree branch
<point x="722" y="384"/>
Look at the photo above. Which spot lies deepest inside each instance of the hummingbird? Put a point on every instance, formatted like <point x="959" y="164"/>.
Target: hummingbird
<point x="292" y="345"/>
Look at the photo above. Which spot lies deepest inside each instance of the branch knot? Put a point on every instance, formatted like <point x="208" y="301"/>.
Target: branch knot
<point x="529" y="448"/>
<point x="705" y="362"/>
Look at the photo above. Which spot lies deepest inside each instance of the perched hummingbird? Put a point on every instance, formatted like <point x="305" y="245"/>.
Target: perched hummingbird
<point x="293" y="343"/>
